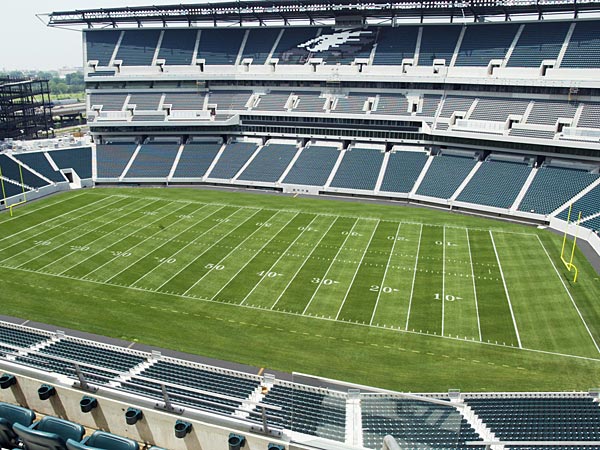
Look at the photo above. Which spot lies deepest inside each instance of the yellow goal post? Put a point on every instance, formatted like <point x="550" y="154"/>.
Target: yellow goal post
<point x="569" y="264"/>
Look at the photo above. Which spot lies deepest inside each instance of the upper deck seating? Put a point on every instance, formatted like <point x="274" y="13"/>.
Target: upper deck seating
<point x="259" y="44"/>
<point x="445" y="174"/>
<point x="195" y="159"/>
<point x="553" y="187"/>
<point x="496" y="183"/>
<point x="146" y="101"/>
<point x="11" y="169"/>
<point x="584" y="46"/>
<point x="349" y="44"/>
<point x="154" y="160"/>
<point x="454" y="103"/>
<point x="78" y="159"/>
<point x="229" y="100"/>
<point x="220" y="46"/>
<point x="395" y="44"/>
<point x="310" y="102"/>
<point x="109" y="102"/>
<point x="538" y="134"/>
<point x="402" y="171"/>
<point x="177" y="47"/>
<point x="498" y="109"/>
<point x="270" y="163"/>
<point x="351" y="104"/>
<point x="138" y="47"/>
<point x="430" y="105"/>
<point x="100" y="45"/>
<point x="273" y="101"/>
<point x="313" y="166"/>
<point x="287" y="50"/>
<point x="415" y="424"/>
<point x="185" y="100"/>
<point x="232" y="159"/>
<point x="537" y="42"/>
<point x="438" y="42"/>
<point x="38" y="162"/>
<point x="112" y="158"/>
<point x="483" y="42"/>
<point x="359" y="169"/>
<point x="590" y="116"/>
<point x="543" y="419"/>
<point x="547" y="112"/>
<point x="392" y="104"/>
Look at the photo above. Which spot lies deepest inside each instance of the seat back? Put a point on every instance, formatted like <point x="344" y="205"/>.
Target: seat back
<point x="63" y="428"/>
<point x="108" y="441"/>
<point x="9" y="415"/>
<point x="39" y="440"/>
<point x="74" y="445"/>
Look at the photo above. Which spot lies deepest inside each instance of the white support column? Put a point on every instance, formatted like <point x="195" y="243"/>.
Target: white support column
<point x="126" y="169"/>
<point x="565" y="45"/>
<point x="574" y="199"/>
<point x="291" y="164"/>
<point x="195" y="54"/>
<point x="157" y="50"/>
<point x="457" y="48"/>
<point x="247" y="163"/>
<point x="17" y="161"/>
<point x="175" y="162"/>
<point x="116" y="50"/>
<point x="275" y="45"/>
<point x="524" y="189"/>
<point x="354" y="432"/>
<point x="242" y="47"/>
<point x="215" y="161"/>
<point x="335" y="169"/>
<point x="527" y="111"/>
<point x="578" y="114"/>
<point x="51" y="161"/>
<point x="384" y="164"/>
<point x="512" y="45"/>
<point x="466" y="181"/>
<point x="421" y="175"/>
<point x="418" y="46"/>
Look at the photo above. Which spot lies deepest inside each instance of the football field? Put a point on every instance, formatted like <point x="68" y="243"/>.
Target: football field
<point x="284" y="264"/>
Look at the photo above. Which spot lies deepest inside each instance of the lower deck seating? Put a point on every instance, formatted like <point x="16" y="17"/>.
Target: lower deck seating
<point x="313" y="166"/>
<point x="414" y="424"/>
<point x="496" y="183"/>
<point x="543" y="419"/>
<point x="359" y="169"/>
<point x="20" y="337"/>
<point x="232" y="159"/>
<point x="14" y="171"/>
<point x="195" y="159"/>
<point x="112" y="158"/>
<point x="592" y="224"/>
<point x="403" y="170"/>
<point x="38" y="162"/>
<point x="588" y="205"/>
<point x="78" y="159"/>
<point x="270" y="163"/>
<point x="154" y="160"/>
<point x="308" y="412"/>
<point x="552" y="187"/>
<point x="445" y="174"/>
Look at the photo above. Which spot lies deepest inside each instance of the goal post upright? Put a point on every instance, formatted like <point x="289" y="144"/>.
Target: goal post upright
<point x="569" y="264"/>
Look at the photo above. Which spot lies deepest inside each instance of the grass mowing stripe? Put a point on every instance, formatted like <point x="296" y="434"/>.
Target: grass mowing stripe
<point x="284" y="253"/>
<point x="306" y="258"/>
<point x="297" y="296"/>
<point x="259" y="227"/>
<point x="473" y="279"/>
<point x="84" y="244"/>
<point x="385" y="272"/>
<point x="257" y="265"/>
<point x="178" y="281"/>
<point x="443" y="277"/>
<point x="426" y="311"/>
<point x="45" y="231"/>
<point x="512" y="314"/>
<point x="128" y="250"/>
<point x="570" y="295"/>
<point x="412" y="288"/>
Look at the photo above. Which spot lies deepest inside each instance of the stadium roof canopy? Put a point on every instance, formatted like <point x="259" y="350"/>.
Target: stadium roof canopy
<point x="312" y="11"/>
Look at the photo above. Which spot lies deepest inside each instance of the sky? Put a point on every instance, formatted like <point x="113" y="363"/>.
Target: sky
<point x="29" y="44"/>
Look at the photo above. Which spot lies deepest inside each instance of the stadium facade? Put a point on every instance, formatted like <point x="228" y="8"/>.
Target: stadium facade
<point x="498" y="114"/>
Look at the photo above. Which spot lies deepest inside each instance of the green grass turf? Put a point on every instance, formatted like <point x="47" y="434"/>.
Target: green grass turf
<point x="346" y="290"/>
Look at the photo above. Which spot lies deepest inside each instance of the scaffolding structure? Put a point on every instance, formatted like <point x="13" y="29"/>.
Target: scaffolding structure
<point x="25" y="108"/>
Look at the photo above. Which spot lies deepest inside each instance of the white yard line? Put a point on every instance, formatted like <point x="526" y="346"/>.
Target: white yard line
<point x="70" y="230"/>
<point x="161" y="245"/>
<point x="260" y="228"/>
<point x="218" y="224"/>
<point x="412" y="288"/>
<point x="357" y="269"/>
<point x="385" y="274"/>
<point x="289" y="313"/>
<point x="443" y="277"/>
<point x="303" y="263"/>
<point x="121" y="239"/>
<point x="506" y="291"/>
<point x="570" y="296"/>
<point x="44" y="231"/>
<point x="474" y="287"/>
<point x="330" y="265"/>
<point x="101" y="237"/>
<point x="279" y="258"/>
<point x="251" y="259"/>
